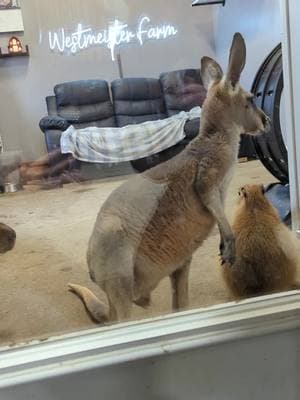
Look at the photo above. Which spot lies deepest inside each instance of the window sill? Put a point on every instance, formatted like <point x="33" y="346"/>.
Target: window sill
<point x="136" y="340"/>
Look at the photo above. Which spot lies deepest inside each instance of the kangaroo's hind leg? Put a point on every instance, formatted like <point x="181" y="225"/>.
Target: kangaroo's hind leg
<point x="114" y="275"/>
<point x="119" y="292"/>
<point x="180" y="287"/>
<point x="110" y="259"/>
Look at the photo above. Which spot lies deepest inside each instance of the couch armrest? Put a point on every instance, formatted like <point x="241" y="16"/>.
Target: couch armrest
<point x="53" y="122"/>
<point x="52" y="139"/>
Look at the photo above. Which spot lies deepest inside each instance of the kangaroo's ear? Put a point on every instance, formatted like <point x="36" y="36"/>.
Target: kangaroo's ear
<point x="237" y="60"/>
<point x="210" y="71"/>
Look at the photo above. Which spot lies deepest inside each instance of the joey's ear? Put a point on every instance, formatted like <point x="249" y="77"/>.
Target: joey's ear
<point x="210" y="71"/>
<point x="237" y="60"/>
<point x="243" y="192"/>
<point x="263" y="189"/>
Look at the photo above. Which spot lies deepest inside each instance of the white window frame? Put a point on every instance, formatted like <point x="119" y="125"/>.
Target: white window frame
<point x="103" y="347"/>
<point x="167" y="334"/>
<point x="291" y="64"/>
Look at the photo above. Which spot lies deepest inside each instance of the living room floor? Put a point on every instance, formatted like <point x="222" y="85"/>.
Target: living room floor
<point x="53" y="228"/>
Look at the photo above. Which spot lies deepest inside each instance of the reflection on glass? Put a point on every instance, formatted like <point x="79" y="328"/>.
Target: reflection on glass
<point x="124" y="118"/>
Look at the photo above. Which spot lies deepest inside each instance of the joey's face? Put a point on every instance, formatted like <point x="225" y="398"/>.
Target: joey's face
<point x="251" y="192"/>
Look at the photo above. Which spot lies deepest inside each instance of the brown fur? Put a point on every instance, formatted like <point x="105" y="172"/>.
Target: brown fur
<point x="266" y="253"/>
<point x="150" y="226"/>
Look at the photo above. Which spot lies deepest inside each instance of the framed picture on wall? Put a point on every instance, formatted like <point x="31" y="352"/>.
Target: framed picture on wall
<point x="11" y="19"/>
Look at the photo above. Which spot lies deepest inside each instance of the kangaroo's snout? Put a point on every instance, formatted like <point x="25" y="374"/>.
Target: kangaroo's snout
<point x="263" y="124"/>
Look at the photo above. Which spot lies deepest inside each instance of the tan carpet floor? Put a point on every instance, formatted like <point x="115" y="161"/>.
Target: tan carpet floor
<point x="53" y="228"/>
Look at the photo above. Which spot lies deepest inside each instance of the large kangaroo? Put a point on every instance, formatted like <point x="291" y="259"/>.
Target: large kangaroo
<point x="150" y="226"/>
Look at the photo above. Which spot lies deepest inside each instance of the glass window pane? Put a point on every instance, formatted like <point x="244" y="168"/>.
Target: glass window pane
<point x="126" y="161"/>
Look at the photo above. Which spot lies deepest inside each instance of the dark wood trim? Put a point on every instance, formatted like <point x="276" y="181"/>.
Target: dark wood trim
<point x="9" y="8"/>
<point x="10" y="55"/>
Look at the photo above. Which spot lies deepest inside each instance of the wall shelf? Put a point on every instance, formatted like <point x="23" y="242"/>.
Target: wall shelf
<point x="9" y="8"/>
<point x="10" y="55"/>
<point x="207" y="2"/>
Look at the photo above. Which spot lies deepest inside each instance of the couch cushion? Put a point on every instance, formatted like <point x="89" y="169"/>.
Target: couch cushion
<point x="84" y="101"/>
<point x="101" y="123"/>
<point x="137" y="100"/>
<point x="87" y="113"/>
<point x="78" y="93"/>
<point x="183" y="90"/>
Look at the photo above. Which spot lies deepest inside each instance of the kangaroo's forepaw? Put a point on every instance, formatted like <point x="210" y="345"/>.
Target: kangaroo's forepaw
<point x="221" y="247"/>
<point x="228" y="253"/>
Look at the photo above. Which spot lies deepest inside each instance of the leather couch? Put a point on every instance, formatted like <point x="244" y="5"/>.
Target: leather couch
<point x="127" y="101"/>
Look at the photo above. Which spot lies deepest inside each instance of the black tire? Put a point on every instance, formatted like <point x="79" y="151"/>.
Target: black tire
<point x="267" y="89"/>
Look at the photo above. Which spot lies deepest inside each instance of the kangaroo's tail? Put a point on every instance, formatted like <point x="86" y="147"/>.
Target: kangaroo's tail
<point x="98" y="310"/>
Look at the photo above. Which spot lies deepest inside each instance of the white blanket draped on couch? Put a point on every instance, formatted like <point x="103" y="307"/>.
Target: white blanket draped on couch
<point x="131" y="142"/>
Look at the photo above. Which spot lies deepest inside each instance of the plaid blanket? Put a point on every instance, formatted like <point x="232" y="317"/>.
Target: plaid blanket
<point x="131" y="142"/>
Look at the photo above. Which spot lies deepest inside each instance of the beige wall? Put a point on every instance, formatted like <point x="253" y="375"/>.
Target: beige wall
<point x="24" y="83"/>
<point x="260" y="23"/>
